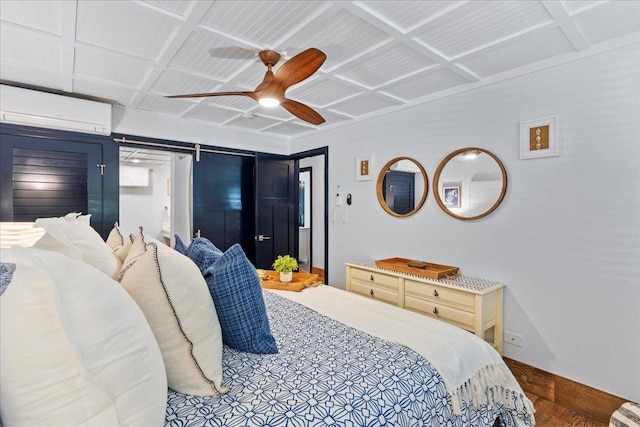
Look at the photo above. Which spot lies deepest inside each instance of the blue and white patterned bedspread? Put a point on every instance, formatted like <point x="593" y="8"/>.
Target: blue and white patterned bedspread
<point x="328" y="374"/>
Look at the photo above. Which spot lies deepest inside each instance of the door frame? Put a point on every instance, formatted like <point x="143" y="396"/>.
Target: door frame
<point x="322" y="151"/>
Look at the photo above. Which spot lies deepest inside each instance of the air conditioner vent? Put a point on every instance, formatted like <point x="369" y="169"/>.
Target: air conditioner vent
<point x="41" y="109"/>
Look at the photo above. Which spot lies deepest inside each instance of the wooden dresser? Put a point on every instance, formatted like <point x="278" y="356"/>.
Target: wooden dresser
<point x="467" y="302"/>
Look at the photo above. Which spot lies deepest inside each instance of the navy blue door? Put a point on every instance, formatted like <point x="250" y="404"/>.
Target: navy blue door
<point x="223" y="203"/>
<point x="276" y="209"/>
<point x="399" y="191"/>
<point x="43" y="177"/>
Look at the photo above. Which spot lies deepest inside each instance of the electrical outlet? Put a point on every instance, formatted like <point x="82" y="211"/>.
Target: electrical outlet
<point x="513" y="339"/>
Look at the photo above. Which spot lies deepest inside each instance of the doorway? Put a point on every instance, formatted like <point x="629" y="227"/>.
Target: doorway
<point x="305" y="220"/>
<point x="313" y="165"/>
<point x="155" y="193"/>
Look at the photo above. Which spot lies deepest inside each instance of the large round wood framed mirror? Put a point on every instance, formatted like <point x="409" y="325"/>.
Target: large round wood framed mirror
<point x="402" y="187"/>
<point x="470" y="183"/>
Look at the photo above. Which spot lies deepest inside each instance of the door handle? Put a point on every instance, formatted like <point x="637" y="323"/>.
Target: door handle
<point x="262" y="238"/>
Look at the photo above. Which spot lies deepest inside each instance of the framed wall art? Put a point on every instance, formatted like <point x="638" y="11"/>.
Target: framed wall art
<point x="451" y="196"/>
<point x="539" y="138"/>
<point x="364" y="168"/>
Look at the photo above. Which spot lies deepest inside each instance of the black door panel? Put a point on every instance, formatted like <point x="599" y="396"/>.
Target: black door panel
<point x="399" y="191"/>
<point x="276" y="209"/>
<point x="223" y="209"/>
<point x="46" y="178"/>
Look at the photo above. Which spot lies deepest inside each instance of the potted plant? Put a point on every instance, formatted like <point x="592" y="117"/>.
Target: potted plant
<point x="285" y="266"/>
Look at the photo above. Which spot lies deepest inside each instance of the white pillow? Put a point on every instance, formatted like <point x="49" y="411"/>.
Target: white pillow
<point x="19" y="234"/>
<point x="75" y="349"/>
<point x="77" y="216"/>
<point x="79" y="241"/>
<point x="174" y="298"/>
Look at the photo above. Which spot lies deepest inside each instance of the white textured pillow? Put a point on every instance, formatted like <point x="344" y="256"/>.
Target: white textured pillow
<point x="79" y="241"/>
<point x="75" y="349"/>
<point x="174" y="298"/>
<point x="19" y="234"/>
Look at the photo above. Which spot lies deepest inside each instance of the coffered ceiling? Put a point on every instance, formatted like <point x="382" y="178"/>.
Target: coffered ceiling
<point x="381" y="55"/>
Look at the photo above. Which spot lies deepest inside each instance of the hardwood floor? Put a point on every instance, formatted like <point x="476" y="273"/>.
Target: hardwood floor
<point x="560" y="402"/>
<point x="305" y="267"/>
<point x="549" y="414"/>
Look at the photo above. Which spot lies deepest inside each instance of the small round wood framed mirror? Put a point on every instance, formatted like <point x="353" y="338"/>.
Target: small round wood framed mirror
<point x="402" y="187"/>
<point x="470" y="183"/>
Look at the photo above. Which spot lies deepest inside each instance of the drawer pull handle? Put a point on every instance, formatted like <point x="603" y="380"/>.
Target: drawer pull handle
<point x="371" y="292"/>
<point x="371" y="278"/>
<point x="435" y="293"/>
<point x="436" y="312"/>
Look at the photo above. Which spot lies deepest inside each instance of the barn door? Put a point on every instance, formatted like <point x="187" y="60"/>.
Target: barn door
<point x="45" y="178"/>
<point x="223" y="200"/>
<point x="276" y="209"/>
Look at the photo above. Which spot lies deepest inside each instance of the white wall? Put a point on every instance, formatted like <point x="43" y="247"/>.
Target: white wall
<point x="144" y="206"/>
<point x="566" y="239"/>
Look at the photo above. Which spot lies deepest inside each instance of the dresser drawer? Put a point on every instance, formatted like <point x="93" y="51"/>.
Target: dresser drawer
<point x="373" y="278"/>
<point x="435" y="293"/>
<point x="471" y="304"/>
<point x="376" y="292"/>
<point x="462" y="318"/>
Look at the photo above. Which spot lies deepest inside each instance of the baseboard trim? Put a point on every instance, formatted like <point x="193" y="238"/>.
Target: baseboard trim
<point x="573" y="395"/>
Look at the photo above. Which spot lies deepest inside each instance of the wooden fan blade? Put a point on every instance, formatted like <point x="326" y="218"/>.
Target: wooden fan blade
<point x="302" y="111"/>
<point x="294" y="71"/>
<point x="252" y="95"/>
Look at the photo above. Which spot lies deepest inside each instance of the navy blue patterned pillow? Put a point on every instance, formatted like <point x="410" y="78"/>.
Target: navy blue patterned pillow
<point x="237" y="295"/>
<point x="179" y="245"/>
<point x="203" y="253"/>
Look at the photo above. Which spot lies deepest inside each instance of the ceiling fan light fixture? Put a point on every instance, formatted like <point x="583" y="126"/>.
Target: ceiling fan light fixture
<point x="271" y="91"/>
<point x="269" y="102"/>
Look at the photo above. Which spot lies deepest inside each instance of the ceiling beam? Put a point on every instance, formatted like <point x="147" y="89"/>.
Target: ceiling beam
<point x="187" y="27"/>
<point x="359" y="9"/>
<point x="68" y="16"/>
<point x="566" y="25"/>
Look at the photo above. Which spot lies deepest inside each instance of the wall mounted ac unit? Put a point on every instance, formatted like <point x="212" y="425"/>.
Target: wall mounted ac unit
<point x="41" y="109"/>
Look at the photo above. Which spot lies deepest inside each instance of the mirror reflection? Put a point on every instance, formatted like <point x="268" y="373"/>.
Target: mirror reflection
<point x="402" y="187"/>
<point x="470" y="183"/>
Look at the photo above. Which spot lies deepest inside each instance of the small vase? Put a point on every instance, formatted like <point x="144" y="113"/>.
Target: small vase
<point x="286" y="277"/>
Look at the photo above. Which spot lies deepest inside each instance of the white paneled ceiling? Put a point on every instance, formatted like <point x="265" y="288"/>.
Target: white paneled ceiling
<point x="382" y="56"/>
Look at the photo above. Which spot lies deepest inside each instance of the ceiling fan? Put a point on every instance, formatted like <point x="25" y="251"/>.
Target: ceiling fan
<point x="270" y="92"/>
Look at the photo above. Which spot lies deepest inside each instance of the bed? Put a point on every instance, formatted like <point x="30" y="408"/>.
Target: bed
<point x="346" y="360"/>
<point x="194" y="340"/>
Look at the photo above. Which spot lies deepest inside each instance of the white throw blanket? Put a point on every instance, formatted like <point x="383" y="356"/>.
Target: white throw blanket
<point x="467" y="364"/>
